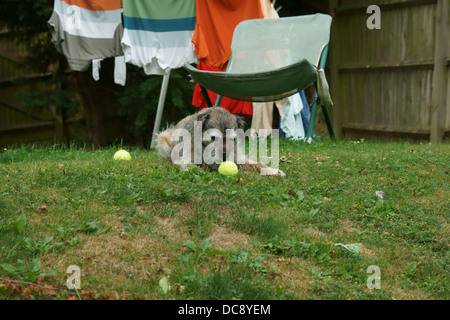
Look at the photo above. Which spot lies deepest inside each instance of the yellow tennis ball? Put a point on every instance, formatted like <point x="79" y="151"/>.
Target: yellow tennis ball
<point x="228" y="168"/>
<point x="122" y="155"/>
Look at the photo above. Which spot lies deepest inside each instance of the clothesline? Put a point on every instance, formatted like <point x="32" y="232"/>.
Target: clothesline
<point x="155" y="35"/>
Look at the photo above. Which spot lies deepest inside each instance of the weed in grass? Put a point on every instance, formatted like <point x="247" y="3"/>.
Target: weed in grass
<point x="169" y="195"/>
<point x="201" y="252"/>
<point x="286" y="247"/>
<point x="39" y="246"/>
<point x="27" y="272"/>
<point x="316" y="251"/>
<point x="254" y="262"/>
<point x="92" y="227"/>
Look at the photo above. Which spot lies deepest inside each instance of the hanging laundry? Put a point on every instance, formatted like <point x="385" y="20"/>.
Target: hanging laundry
<point x="234" y="106"/>
<point x="216" y="21"/>
<point x="86" y="31"/>
<point x="292" y="124"/>
<point x="158" y="34"/>
<point x="262" y="118"/>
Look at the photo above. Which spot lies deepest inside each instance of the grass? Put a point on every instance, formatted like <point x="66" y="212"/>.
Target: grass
<point x="144" y="230"/>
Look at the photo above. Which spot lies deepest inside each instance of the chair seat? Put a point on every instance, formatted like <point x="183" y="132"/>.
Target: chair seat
<point x="264" y="86"/>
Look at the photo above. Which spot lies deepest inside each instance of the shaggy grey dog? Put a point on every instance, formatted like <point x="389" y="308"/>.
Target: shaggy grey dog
<point x="212" y="118"/>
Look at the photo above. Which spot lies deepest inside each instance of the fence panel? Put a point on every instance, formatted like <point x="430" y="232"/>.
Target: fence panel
<point x="383" y="79"/>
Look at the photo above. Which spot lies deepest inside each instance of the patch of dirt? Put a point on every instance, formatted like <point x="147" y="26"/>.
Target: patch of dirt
<point x="366" y="252"/>
<point x="224" y="239"/>
<point x="293" y="274"/>
<point x="315" y="234"/>
<point x="111" y="261"/>
<point x="173" y="228"/>
<point x="400" y="294"/>
<point x="347" y="227"/>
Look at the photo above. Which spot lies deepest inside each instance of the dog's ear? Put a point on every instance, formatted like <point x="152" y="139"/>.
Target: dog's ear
<point x="240" y="122"/>
<point x="204" y="118"/>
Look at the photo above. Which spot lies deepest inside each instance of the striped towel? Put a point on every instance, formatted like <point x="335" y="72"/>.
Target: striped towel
<point x="86" y="30"/>
<point x="157" y="34"/>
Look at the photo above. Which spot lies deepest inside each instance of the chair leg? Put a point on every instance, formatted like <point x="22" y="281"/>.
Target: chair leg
<point x="218" y="101"/>
<point x="312" y="120"/>
<point x="326" y="114"/>
<point x="206" y="96"/>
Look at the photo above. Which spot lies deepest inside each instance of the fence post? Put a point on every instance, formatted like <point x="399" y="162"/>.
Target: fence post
<point x="438" y="99"/>
<point x="336" y="110"/>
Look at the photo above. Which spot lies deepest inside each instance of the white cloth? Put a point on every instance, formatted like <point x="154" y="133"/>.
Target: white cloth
<point x="120" y="70"/>
<point x="262" y="117"/>
<point x="291" y="123"/>
<point x="96" y="65"/>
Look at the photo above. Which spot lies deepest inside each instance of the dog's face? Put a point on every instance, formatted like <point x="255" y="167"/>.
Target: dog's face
<point x="219" y="119"/>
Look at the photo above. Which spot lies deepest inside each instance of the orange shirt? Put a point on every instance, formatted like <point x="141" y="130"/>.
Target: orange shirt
<point x="216" y="20"/>
<point x="96" y="5"/>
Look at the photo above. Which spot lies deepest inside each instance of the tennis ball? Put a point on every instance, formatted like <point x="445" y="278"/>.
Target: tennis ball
<point x="228" y="168"/>
<point x="122" y="155"/>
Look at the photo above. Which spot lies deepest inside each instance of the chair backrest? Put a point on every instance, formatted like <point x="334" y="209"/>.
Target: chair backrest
<point x="265" y="44"/>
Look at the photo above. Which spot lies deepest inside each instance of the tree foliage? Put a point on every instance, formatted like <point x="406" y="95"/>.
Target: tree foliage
<point x="28" y="21"/>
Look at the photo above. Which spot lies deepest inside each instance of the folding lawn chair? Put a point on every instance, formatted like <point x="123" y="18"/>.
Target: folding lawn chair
<point x="273" y="59"/>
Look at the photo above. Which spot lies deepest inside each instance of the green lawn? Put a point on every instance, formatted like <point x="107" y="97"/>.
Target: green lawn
<point x="144" y="230"/>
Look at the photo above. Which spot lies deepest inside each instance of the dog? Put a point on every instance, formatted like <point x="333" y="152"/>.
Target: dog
<point x="216" y="118"/>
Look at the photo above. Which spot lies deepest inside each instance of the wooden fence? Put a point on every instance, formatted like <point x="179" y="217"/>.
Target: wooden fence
<point x="16" y="124"/>
<point x="392" y="82"/>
